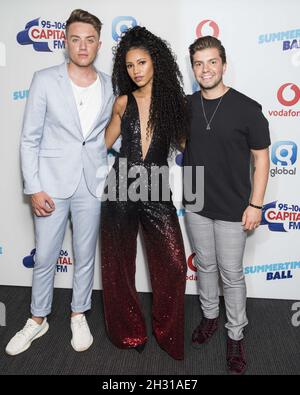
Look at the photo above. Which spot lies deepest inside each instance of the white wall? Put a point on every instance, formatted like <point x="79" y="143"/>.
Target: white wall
<point x="257" y="69"/>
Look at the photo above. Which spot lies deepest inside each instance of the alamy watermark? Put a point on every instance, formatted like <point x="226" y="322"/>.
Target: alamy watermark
<point x="2" y="314"/>
<point x="296" y="316"/>
<point x="152" y="183"/>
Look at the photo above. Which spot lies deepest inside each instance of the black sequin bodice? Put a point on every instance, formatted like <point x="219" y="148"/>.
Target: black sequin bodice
<point x="131" y="147"/>
<point x="130" y="158"/>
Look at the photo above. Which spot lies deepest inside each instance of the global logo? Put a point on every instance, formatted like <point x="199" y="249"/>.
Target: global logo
<point x="284" y="153"/>
<point x="284" y="156"/>
<point x="43" y="35"/>
<point x="288" y="97"/>
<point x="207" y="28"/>
<point x="121" y="24"/>
<point x="281" y="217"/>
<point x="1" y="250"/>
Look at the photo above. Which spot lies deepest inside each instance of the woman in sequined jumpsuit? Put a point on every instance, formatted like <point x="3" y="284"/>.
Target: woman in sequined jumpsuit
<point x="150" y="115"/>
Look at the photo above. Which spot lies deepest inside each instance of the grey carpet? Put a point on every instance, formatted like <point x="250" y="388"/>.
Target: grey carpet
<point x="272" y="342"/>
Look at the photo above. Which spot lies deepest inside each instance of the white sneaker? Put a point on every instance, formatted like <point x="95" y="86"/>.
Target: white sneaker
<point x="82" y="338"/>
<point x="23" y="339"/>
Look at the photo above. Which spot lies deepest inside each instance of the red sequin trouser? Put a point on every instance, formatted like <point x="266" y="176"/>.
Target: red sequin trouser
<point x="163" y="242"/>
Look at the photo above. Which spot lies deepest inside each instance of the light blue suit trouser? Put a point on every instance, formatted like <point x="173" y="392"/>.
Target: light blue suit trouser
<point x="219" y="247"/>
<point x="49" y="233"/>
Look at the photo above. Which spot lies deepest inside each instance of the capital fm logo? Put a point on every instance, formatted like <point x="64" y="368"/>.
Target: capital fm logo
<point x="283" y="156"/>
<point x="192" y="268"/>
<point x="281" y="216"/>
<point x="121" y="24"/>
<point x="2" y="55"/>
<point x="44" y="35"/>
<point x="62" y="264"/>
<point x="28" y="261"/>
<point x="207" y="28"/>
<point x="288" y="95"/>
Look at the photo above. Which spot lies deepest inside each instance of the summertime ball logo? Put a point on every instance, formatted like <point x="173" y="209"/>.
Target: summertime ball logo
<point x="290" y="39"/>
<point x="43" y="35"/>
<point x="274" y="271"/>
<point x="20" y="94"/>
<point x="120" y="24"/>
<point x="288" y="95"/>
<point x="207" y="27"/>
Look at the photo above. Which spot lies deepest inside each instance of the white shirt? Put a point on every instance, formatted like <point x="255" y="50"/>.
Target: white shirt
<point x="88" y="101"/>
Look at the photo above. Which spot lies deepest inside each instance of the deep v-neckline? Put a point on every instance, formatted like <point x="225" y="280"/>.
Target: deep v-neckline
<point x="143" y="158"/>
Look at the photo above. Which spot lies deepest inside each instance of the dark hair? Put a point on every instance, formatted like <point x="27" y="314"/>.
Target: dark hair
<point x="79" y="15"/>
<point x="207" y="42"/>
<point x="167" y="112"/>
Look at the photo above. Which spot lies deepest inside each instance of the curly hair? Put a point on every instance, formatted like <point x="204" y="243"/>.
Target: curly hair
<point x="168" y="108"/>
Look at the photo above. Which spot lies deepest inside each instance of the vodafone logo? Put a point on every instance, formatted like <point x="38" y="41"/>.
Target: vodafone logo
<point x="207" y="28"/>
<point x="193" y="269"/>
<point x="288" y="94"/>
<point x="190" y="263"/>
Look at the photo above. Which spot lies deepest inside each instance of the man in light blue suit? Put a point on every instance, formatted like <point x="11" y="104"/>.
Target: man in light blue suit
<point x="64" y="165"/>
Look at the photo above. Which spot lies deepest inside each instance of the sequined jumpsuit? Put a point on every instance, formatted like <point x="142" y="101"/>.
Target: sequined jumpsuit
<point x="162" y="237"/>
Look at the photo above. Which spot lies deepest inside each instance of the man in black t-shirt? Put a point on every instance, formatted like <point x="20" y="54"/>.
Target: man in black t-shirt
<point x="226" y="128"/>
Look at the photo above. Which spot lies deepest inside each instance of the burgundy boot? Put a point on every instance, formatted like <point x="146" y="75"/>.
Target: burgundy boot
<point x="204" y="331"/>
<point x="236" y="361"/>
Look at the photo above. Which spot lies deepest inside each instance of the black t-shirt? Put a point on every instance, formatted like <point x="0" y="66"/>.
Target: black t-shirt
<point x="237" y="127"/>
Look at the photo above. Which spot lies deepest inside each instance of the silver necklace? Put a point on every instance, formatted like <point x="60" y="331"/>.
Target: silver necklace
<point x="84" y="96"/>
<point x="211" y="118"/>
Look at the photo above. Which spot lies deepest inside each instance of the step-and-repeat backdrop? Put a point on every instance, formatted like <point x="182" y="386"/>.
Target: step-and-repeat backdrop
<point x="262" y="39"/>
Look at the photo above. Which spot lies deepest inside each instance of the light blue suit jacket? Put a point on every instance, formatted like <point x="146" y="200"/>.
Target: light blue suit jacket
<point x="53" y="150"/>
